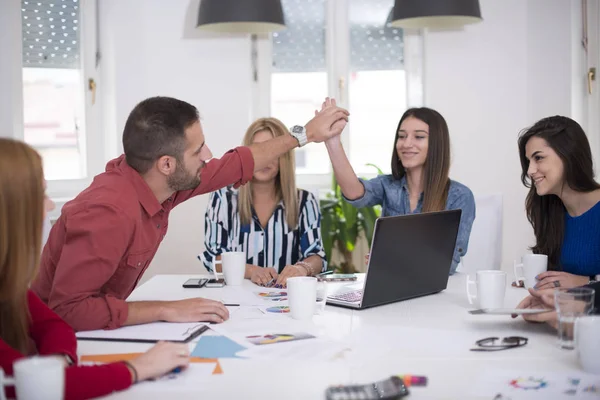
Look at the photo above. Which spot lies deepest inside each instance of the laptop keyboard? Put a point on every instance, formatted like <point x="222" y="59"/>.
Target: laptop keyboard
<point x="351" y="297"/>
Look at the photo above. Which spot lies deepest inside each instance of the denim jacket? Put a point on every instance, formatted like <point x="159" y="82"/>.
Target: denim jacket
<point x="394" y="198"/>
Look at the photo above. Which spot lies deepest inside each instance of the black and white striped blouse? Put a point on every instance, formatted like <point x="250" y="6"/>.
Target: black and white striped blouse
<point x="274" y="246"/>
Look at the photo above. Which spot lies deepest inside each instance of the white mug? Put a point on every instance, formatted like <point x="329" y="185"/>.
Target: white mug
<point x="491" y="287"/>
<point x="302" y="295"/>
<point x="39" y="378"/>
<point x="233" y="267"/>
<point x="532" y="265"/>
<point x="587" y="342"/>
<point x="5" y="381"/>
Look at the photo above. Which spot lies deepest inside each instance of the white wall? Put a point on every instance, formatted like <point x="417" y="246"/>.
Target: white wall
<point x="493" y="79"/>
<point x="144" y="53"/>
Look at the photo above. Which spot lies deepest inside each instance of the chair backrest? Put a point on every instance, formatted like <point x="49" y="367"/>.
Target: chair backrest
<point x="485" y="243"/>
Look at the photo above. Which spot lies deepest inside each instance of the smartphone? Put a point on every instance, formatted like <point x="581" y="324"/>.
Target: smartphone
<point x="194" y="283"/>
<point x="389" y="389"/>
<point x="215" y="283"/>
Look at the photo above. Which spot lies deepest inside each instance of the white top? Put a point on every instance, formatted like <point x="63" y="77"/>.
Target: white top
<point x="429" y="336"/>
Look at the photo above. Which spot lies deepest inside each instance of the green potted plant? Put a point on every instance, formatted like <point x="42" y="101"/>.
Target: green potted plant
<point x="342" y="225"/>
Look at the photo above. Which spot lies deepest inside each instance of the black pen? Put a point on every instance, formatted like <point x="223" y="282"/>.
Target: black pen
<point x="231" y="305"/>
<point x="325" y="273"/>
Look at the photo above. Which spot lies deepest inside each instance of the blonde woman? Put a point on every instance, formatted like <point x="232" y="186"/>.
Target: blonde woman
<point x="277" y="225"/>
<point x="27" y="326"/>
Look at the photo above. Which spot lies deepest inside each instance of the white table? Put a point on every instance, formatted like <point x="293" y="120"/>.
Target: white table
<point x="428" y="336"/>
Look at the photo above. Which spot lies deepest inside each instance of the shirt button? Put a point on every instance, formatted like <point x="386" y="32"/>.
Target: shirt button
<point x="139" y="263"/>
<point x="158" y="226"/>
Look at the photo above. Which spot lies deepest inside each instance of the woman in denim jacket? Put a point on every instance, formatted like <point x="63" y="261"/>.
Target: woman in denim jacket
<point x="419" y="181"/>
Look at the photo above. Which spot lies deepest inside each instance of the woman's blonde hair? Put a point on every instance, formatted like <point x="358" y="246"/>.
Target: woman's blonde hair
<point x="285" y="182"/>
<point x="21" y="219"/>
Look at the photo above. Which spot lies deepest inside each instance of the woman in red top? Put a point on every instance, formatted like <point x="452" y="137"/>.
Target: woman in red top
<point x="27" y="326"/>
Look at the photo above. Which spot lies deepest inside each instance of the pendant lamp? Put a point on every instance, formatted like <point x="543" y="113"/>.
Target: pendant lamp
<point x="241" y="16"/>
<point x="435" y="14"/>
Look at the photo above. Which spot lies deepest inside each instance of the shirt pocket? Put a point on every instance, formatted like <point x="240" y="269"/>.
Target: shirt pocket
<point x="139" y="260"/>
<point x="128" y="274"/>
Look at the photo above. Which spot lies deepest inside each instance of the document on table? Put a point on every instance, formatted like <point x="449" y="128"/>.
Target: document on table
<point x="91" y="359"/>
<point x="309" y="350"/>
<point x="153" y="332"/>
<point x="248" y="312"/>
<point x="216" y="347"/>
<point x="258" y="297"/>
<point x="148" y="333"/>
<point x="188" y="379"/>
<point x="520" y="384"/>
<point x="239" y="332"/>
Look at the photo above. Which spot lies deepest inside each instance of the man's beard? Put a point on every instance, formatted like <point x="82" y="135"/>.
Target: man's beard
<point x="182" y="180"/>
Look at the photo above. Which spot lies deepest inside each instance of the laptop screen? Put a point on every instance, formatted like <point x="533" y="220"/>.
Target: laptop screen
<point x="411" y="256"/>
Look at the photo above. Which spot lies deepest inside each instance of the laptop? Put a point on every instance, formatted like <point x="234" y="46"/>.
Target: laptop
<point x="411" y="256"/>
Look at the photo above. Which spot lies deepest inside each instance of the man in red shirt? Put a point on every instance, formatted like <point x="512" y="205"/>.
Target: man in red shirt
<point x="107" y="236"/>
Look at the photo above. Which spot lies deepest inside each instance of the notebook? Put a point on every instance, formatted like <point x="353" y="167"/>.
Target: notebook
<point x="148" y="333"/>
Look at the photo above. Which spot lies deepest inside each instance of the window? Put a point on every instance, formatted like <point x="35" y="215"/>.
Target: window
<point x="60" y="120"/>
<point x="376" y="85"/>
<point x="345" y="49"/>
<point x="299" y="75"/>
<point x="53" y="92"/>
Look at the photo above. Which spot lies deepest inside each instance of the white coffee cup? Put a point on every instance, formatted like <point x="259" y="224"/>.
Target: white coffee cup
<point x="491" y="287"/>
<point x="233" y="267"/>
<point x="38" y="378"/>
<point x="587" y="337"/>
<point x="5" y="381"/>
<point x="302" y="296"/>
<point x="532" y="265"/>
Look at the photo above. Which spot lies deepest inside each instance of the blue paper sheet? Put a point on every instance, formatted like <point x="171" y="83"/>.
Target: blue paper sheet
<point x="216" y="347"/>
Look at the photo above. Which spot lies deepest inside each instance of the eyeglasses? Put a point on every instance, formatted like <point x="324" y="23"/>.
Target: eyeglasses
<point x="490" y="343"/>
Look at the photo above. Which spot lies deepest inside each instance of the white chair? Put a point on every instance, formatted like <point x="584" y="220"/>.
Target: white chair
<point x="485" y="242"/>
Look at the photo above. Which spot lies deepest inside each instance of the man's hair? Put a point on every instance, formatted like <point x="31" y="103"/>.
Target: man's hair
<point x="155" y="128"/>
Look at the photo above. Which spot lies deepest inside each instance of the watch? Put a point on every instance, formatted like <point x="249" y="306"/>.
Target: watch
<point x="299" y="132"/>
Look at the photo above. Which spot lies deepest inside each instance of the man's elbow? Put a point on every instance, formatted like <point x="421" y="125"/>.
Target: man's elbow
<point x="82" y="318"/>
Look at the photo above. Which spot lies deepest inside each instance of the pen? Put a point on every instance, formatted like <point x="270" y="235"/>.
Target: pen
<point x="325" y="273"/>
<point x="413" y="380"/>
<point x="231" y="305"/>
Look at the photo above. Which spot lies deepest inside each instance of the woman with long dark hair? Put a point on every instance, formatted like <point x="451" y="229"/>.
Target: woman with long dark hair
<point x="563" y="200"/>
<point x="419" y="181"/>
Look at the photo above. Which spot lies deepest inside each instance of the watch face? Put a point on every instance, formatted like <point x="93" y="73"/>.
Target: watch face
<point x="297" y="129"/>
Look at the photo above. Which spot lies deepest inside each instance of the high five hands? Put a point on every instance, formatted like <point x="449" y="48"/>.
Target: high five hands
<point x="328" y="122"/>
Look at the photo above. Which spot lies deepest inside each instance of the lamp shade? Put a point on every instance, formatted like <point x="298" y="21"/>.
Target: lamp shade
<point x="241" y="16"/>
<point x="436" y="14"/>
